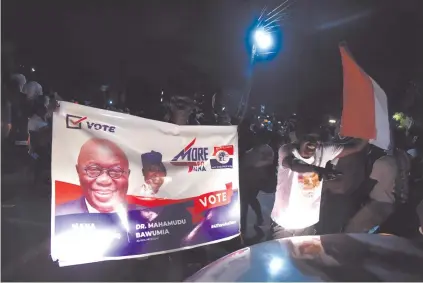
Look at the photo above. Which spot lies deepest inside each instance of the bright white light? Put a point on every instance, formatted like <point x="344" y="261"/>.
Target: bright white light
<point x="110" y="102"/>
<point x="235" y="210"/>
<point x="332" y="121"/>
<point x="82" y="245"/>
<point x="223" y="108"/>
<point x="263" y="39"/>
<point x="162" y="92"/>
<point x="161" y="99"/>
<point x="32" y="70"/>
<point x="122" y="213"/>
<point x="275" y="265"/>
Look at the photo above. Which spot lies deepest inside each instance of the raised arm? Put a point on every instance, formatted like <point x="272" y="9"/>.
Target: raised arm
<point x="297" y="165"/>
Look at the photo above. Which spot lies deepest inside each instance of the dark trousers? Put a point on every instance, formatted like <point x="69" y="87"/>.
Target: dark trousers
<point x="335" y="212"/>
<point x="250" y="187"/>
<point x="278" y="232"/>
<point x="250" y="200"/>
<point x="419" y="211"/>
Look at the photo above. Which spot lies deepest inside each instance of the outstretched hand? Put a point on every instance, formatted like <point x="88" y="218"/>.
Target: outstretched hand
<point x="328" y="173"/>
<point x="332" y="175"/>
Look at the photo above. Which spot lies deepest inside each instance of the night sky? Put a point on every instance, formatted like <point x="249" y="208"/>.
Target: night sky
<point x="110" y="41"/>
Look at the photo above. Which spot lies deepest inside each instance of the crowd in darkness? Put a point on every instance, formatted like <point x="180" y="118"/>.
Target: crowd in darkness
<point x="26" y="130"/>
<point x="356" y="186"/>
<point x="364" y="187"/>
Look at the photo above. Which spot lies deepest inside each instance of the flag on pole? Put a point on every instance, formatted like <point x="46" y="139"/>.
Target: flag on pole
<point x="365" y="105"/>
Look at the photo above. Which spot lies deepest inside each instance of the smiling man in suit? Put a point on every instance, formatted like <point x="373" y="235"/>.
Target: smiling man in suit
<point x="103" y="171"/>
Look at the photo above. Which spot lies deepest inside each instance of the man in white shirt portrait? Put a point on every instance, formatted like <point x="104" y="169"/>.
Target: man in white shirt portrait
<point x="301" y="171"/>
<point x="154" y="173"/>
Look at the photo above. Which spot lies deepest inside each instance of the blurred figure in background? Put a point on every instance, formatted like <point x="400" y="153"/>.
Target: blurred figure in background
<point x="37" y="121"/>
<point x="342" y="197"/>
<point x="223" y="118"/>
<point x="32" y="90"/>
<point x="245" y="136"/>
<point x="419" y="211"/>
<point x="52" y="102"/>
<point x="382" y="199"/>
<point x="19" y="109"/>
<point x="15" y="113"/>
<point x="20" y="81"/>
<point x="6" y="114"/>
<point x="180" y="109"/>
<point x="253" y="176"/>
<point x="388" y="184"/>
<point x="40" y="133"/>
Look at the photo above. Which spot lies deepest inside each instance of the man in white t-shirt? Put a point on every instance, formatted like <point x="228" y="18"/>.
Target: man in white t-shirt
<point x="302" y="168"/>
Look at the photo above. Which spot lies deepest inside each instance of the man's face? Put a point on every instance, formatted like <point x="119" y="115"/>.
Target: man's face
<point x="181" y="103"/>
<point x="154" y="177"/>
<point x="308" y="145"/>
<point x="181" y="107"/>
<point x="103" y="174"/>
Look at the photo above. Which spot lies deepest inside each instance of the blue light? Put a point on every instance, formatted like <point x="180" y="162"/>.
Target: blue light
<point x="262" y="43"/>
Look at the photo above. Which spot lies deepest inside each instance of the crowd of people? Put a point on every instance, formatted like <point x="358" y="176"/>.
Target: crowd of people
<point x="26" y="124"/>
<point x="323" y="183"/>
<point x="328" y="184"/>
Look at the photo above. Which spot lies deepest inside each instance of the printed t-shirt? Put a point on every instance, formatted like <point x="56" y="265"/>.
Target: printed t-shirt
<point x="298" y="195"/>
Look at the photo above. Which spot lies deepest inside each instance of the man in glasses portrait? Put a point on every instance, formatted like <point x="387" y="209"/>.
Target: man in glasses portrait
<point x="103" y="171"/>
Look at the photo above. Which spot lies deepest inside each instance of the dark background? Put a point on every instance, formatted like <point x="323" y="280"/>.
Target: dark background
<point x="146" y="44"/>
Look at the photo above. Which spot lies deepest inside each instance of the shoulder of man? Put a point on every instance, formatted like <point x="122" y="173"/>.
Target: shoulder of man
<point x="72" y="207"/>
<point x="331" y="145"/>
<point x="386" y="160"/>
<point x="384" y="167"/>
<point x="332" y="149"/>
<point x="287" y="149"/>
<point x="265" y="148"/>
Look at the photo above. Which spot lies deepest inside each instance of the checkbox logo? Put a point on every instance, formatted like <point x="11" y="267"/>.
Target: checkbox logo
<point x="74" y="122"/>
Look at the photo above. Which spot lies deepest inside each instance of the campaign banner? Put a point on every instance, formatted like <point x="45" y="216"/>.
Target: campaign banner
<point x="127" y="187"/>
